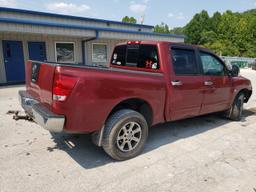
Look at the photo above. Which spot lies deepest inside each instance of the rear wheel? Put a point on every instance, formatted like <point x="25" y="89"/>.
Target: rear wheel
<point x="236" y="111"/>
<point x="125" y="134"/>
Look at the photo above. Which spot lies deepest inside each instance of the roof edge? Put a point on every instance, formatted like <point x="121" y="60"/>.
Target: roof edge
<point x="72" y="17"/>
<point x="46" y="24"/>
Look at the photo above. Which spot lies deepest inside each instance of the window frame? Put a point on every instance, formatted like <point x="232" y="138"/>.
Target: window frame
<point x="126" y="56"/>
<point x="106" y="52"/>
<point x="185" y="48"/>
<point x="137" y="68"/>
<point x="63" y="42"/>
<point x="214" y="56"/>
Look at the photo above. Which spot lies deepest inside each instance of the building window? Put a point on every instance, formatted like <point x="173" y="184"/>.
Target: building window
<point x="99" y="53"/>
<point x="65" y="52"/>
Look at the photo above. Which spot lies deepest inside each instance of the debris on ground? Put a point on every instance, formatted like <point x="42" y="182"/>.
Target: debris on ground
<point x="10" y="112"/>
<point x="17" y="116"/>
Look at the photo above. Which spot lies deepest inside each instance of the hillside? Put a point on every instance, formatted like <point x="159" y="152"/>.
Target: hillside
<point x="228" y="34"/>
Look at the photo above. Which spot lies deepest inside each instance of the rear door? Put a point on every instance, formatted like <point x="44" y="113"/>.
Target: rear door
<point x="217" y="83"/>
<point x="186" y="86"/>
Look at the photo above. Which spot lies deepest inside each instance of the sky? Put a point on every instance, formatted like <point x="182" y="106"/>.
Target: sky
<point x="175" y="13"/>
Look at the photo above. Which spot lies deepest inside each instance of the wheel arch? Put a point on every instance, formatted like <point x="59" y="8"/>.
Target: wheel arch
<point x="247" y="94"/>
<point x="136" y="104"/>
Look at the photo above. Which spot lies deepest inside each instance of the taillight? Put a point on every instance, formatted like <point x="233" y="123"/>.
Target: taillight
<point x="62" y="86"/>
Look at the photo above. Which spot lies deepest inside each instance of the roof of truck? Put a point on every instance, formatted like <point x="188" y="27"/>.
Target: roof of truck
<point x="162" y="42"/>
<point x="179" y="45"/>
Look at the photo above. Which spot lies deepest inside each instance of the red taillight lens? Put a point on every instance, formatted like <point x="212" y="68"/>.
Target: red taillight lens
<point x="62" y="86"/>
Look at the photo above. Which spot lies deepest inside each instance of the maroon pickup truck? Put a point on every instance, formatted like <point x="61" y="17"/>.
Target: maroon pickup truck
<point x="147" y="83"/>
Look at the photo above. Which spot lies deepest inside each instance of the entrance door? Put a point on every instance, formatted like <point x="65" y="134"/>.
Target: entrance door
<point x="14" y="61"/>
<point x="186" y="89"/>
<point x="37" y="51"/>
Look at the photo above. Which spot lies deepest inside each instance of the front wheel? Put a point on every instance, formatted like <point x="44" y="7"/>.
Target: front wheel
<point x="125" y="134"/>
<point x="236" y="110"/>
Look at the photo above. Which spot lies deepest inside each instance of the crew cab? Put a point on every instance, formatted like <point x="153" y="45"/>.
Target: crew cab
<point x="147" y="83"/>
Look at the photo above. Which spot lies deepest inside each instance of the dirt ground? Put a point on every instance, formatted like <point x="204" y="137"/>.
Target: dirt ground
<point x="207" y="153"/>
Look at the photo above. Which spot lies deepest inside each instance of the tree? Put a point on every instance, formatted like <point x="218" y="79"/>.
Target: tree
<point x="208" y="37"/>
<point x="215" y="21"/>
<point x="197" y="26"/>
<point x="177" y="31"/>
<point x="127" y="19"/>
<point x="162" y="28"/>
<point x="228" y="34"/>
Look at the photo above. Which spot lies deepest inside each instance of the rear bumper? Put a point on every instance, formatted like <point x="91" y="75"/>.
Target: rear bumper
<point x="40" y="114"/>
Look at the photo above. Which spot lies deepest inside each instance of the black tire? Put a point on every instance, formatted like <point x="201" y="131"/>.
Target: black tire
<point x="113" y="139"/>
<point x="236" y="110"/>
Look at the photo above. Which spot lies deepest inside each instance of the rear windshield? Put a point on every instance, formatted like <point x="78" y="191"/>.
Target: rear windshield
<point x="140" y="56"/>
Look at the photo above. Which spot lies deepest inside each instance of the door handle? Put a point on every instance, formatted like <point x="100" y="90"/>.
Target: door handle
<point x="177" y="83"/>
<point x="208" y="83"/>
<point x="6" y="61"/>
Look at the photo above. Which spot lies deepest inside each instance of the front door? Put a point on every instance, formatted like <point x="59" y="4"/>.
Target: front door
<point x="14" y="61"/>
<point x="186" y="86"/>
<point x="37" y="51"/>
<point x="217" y="84"/>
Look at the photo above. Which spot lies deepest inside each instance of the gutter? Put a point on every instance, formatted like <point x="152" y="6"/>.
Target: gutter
<point x="87" y="40"/>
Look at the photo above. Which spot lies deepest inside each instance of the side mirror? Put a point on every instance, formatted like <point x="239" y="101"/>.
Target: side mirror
<point x="235" y="70"/>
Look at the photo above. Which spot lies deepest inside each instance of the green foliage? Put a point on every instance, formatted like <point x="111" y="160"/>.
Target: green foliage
<point x="127" y="19"/>
<point x="228" y="34"/>
<point x="197" y="26"/>
<point x="177" y="31"/>
<point x="162" y="28"/>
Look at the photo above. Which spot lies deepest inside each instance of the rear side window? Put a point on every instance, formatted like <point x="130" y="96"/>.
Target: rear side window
<point x="184" y="61"/>
<point x="140" y="56"/>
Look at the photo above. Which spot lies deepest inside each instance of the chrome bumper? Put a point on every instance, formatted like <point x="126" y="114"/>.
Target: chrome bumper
<point x="40" y="114"/>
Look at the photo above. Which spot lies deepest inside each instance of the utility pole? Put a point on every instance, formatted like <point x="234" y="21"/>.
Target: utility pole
<point x="142" y="19"/>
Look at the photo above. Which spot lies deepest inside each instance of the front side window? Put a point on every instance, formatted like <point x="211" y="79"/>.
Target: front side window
<point x="135" y="55"/>
<point x="211" y="65"/>
<point x="184" y="61"/>
<point x="99" y="53"/>
<point x="65" y="52"/>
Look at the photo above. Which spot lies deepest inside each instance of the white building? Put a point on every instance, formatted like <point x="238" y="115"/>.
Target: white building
<point x="61" y="38"/>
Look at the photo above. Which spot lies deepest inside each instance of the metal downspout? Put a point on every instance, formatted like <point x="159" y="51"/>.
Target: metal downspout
<point x="85" y="41"/>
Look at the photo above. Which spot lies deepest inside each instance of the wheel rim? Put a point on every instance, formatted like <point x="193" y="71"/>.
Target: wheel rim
<point x="129" y="137"/>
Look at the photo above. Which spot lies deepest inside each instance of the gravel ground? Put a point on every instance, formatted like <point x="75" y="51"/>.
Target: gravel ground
<point x="207" y="153"/>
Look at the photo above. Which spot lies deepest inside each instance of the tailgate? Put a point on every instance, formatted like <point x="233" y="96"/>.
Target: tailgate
<point x="39" y="80"/>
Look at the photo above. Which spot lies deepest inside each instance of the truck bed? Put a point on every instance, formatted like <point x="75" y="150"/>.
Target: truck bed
<point x="97" y="91"/>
